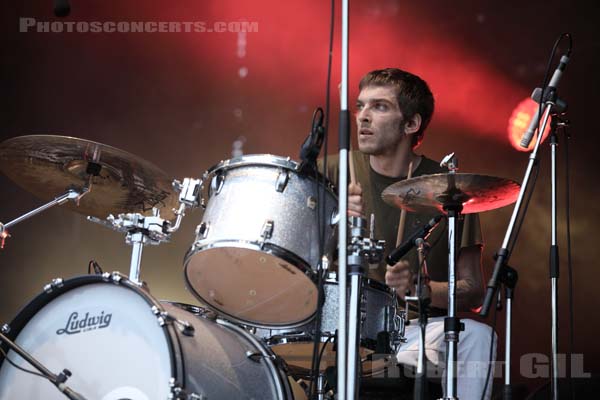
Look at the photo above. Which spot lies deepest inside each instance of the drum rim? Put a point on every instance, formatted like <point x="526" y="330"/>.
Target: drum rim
<point x="271" y="160"/>
<point x="45" y="297"/>
<point x="268" y="248"/>
<point x="372" y="283"/>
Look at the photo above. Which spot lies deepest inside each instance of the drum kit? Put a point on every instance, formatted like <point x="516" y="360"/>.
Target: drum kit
<point x="254" y="264"/>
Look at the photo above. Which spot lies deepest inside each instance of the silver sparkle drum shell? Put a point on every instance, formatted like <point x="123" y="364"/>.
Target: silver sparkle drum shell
<point x="257" y="247"/>
<point x="378" y="314"/>
<point x="119" y="342"/>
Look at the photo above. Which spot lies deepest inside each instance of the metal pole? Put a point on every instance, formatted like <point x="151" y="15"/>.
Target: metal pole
<point x="354" y="335"/>
<point x="342" y="345"/>
<point x="70" y="195"/>
<point x="554" y="264"/>
<point x="452" y="332"/>
<point x="137" y="246"/>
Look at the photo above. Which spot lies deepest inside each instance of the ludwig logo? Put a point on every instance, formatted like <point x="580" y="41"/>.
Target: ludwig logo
<point x="87" y="323"/>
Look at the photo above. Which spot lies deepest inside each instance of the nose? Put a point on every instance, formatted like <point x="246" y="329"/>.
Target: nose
<point x="363" y="115"/>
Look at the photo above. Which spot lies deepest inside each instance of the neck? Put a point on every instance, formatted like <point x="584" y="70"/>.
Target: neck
<point x="395" y="165"/>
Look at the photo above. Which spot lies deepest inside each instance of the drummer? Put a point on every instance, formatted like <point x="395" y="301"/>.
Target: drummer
<point x="393" y="110"/>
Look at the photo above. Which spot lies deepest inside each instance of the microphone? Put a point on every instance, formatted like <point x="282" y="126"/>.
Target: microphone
<point x="423" y="233"/>
<point x="309" y="152"/>
<point x="550" y="94"/>
<point x="62" y="8"/>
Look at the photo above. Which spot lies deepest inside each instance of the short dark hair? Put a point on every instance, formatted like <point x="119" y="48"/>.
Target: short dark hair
<point x="412" y="93"/>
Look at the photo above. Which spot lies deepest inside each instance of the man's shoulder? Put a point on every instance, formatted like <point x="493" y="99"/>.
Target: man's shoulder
<point x="333" y="160"/>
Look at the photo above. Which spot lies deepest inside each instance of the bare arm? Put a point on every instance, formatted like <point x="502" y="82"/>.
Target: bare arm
<point x="469" y="283"/>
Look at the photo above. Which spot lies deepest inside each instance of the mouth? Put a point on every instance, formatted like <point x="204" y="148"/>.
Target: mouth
<point x="366" y="132"/>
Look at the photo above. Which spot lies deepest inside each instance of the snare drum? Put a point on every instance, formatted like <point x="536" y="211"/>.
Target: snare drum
<point x="380" y="321"/>
<point x="120" y="343"/>
<point x="257" y="248"/>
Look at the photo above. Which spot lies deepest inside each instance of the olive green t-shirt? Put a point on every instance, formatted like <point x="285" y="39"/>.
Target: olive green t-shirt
<point x="387" y="217"/>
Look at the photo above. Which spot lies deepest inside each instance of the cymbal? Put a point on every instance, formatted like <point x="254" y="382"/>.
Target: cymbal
<point x="427" y="193"/>
<point x="49" y="165"/>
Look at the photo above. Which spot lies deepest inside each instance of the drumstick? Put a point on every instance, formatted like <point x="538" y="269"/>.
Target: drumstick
<point x="351" y="167"/>
<point x="402" y="222"/>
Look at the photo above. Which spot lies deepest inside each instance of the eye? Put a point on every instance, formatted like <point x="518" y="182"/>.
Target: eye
<point x="359" y="106"/>
<point x="381" y="106"/>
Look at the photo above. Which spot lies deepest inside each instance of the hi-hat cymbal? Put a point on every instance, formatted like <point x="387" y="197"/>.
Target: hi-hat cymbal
<point x="427" y="193"/>
<point x="49" y="165"/>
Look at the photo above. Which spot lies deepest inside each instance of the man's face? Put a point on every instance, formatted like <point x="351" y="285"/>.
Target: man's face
<point x="379" y="121"/>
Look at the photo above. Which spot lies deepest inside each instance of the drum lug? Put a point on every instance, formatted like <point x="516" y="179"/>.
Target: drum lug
<point x="266" y="232"/>
<point x="216" y="184"/>
<point x="282" y="180"/>
<point x="178" y="393"/>
<point x="257" y="356"/>
<point x="115" y="276"/>
<point x="254" y="356"/>
<point x="165" y="318"/>
<point x="5" y="329"/>
<point x="202" y="230"/>
<point x="55" y="284"/>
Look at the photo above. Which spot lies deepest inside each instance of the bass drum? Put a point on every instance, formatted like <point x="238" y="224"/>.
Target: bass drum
<point x="120" y="343"/>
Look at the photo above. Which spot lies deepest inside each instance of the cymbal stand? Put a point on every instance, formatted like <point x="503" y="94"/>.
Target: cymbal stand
<point x="144" y="230"/>
<point x="361" y="250"/>
<point x="452" y="201"/>
<point x="70" y="194"/>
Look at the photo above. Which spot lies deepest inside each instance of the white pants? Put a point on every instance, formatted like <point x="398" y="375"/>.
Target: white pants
<point x="473" y="354"/>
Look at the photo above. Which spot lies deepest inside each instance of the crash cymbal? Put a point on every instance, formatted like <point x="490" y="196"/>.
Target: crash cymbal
<point x="427" y="193"/>
<point x="49" y="165"/>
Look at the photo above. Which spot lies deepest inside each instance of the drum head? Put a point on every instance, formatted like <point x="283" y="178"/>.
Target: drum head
<point x="262" y="288"/>
<point x="105" y="334"/>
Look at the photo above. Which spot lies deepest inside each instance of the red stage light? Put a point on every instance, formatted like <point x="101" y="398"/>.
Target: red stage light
<point x="519" y="121"/>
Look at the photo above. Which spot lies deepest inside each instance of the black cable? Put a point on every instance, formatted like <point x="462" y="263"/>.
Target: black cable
<point x="95" y="266"/>
<point x="491" y="355"/>
<point x="569" y="264"/>
<point x="21" y="368"/>
<point x="329" y="339"/>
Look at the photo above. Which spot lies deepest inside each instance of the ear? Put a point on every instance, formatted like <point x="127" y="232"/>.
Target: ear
<point x="413" y="125"/>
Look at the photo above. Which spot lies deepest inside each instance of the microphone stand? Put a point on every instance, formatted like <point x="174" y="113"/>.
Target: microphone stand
<point x="509" y="279"/>
<point x="361" y="249"/>
<point x="502" y="270"/>
<point x="57" y="380"/>
<point x="554" y="258"/>
<point x="344" y="145"/>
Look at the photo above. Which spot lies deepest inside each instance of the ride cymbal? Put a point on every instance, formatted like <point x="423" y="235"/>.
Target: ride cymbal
<point x="427" y="193"/>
